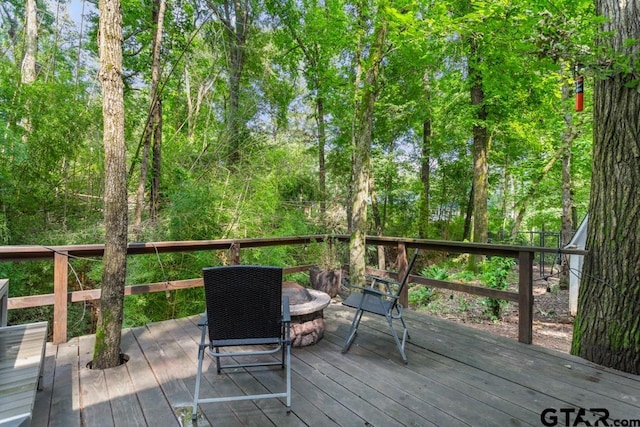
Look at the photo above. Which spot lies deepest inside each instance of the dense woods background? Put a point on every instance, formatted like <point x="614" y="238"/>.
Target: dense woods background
<point x="446" y="120"/>
<point x="242" y="118"/>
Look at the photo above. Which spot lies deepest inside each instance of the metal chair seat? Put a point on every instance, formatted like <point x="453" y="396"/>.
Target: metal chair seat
<point x="383" y="303"/>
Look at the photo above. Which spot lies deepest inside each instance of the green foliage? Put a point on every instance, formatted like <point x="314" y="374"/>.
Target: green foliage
<point x="464" y="276"/>
<point x="435" y="272"/>
<point x="420" y="295"/>
<point x="298" y="52"/>
<point x="495" y="274"/>
<point x="325" y="254"/>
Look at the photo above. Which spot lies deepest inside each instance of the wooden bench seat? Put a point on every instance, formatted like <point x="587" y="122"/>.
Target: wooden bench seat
<point x="22" y="350"/>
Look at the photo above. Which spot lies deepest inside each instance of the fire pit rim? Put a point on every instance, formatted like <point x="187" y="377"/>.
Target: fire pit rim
<point x="318" y="302"/>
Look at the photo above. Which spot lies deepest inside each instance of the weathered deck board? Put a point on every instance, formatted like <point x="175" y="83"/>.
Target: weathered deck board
<point x="65" y="410"/>
<point x="43" y="397"/>
<point x="569" y="380"/>
<point x="96" y="407"/>
<point x="456" y="376"/>
<point x="152" y="399"/>
<point x="442" y="398"/>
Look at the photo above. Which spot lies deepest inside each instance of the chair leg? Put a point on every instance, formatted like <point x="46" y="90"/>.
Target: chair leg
<point x="288" y="375"/>
<point x="196" y="394"/>
<point x="399" y="344"/>
<point x="406" y="331"/>
<point x="286" y="345"/>
<point x="218" y="366"/>
<point x="352" y="331"/>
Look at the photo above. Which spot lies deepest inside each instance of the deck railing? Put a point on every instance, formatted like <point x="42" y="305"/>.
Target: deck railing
<point x="60" y="256"/>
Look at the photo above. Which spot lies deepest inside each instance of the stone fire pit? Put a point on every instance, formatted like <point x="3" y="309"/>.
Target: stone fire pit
<point x="306" y="307"/>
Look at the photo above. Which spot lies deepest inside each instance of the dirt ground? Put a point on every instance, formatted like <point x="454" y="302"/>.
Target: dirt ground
<point x="552" y="321"/>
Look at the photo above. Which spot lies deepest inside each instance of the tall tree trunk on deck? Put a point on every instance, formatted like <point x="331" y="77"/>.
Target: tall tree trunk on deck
<point x="109" y="327"/>
<point x="607" y="326"/>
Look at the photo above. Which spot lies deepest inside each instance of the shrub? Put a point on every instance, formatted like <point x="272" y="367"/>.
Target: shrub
<point x="435" y="272"/>
<point x="420" y="295"/>
<point x="495" y="272"/>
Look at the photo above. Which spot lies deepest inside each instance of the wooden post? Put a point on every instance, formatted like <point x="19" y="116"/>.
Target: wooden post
<point x="525" y="300"/>
<point x="60" y="286"/>
<point x="401" y="261"/>
<point x="235" y="253"/>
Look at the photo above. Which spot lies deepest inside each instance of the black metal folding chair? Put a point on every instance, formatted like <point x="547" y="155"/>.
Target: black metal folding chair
<point x="385" y="303"/>
<point x="245" y="308"/>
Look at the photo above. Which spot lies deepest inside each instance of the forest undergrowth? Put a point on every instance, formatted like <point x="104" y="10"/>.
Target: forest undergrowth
<point x="552" y="320"/>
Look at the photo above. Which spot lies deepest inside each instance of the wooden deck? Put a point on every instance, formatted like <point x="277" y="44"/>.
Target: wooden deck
<point x="456" y="376"/>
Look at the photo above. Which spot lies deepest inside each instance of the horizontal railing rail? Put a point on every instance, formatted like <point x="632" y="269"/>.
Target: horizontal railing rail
<point x="60" y="256"/>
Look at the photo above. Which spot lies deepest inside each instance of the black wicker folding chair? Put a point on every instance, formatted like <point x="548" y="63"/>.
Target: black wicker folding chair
<point x="245" y="308"/>
<point x="385" y="303"/>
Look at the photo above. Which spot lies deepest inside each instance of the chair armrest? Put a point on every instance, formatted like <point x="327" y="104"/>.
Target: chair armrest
<point x="286" y="314"/>
<point x="383" y="280"/>
<point x="388" y="283"/>
<point x="375" y="292"/>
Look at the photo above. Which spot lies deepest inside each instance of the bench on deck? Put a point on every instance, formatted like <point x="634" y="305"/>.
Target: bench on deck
<point x="22" y="349"/>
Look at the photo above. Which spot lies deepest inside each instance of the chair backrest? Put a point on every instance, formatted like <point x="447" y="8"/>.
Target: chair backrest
<point x="405" y="278"/>
<point x="243" y="301"/>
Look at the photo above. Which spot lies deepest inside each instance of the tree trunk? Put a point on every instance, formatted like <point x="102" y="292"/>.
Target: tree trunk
<point x="357" y="66"/>
<point x="322" y="171"/>
<point x="607" y="326"/>
<point x="191" y="123"/>
<point x="377" y="219"/>
<point x="362" y="152"/>
<point x="480" y="148"/>
<point x="156" y="165"/>
<point x="109" y="327"/>
<point x="466" y="233"/>
<point x="28" y="69"/>
<point x="142" y="185"/>
<point x="156" y="102"/>
<point x="425" y="171"/>
<point x="153" y="130"/>
<point x="235" y="16"/>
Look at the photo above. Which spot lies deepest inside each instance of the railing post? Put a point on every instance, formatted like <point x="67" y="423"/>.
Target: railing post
<point x="402" y="264"/>
<point x="234" y="251"/>
<point x="60" y="287"/>
<point x="525" y="300"/>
